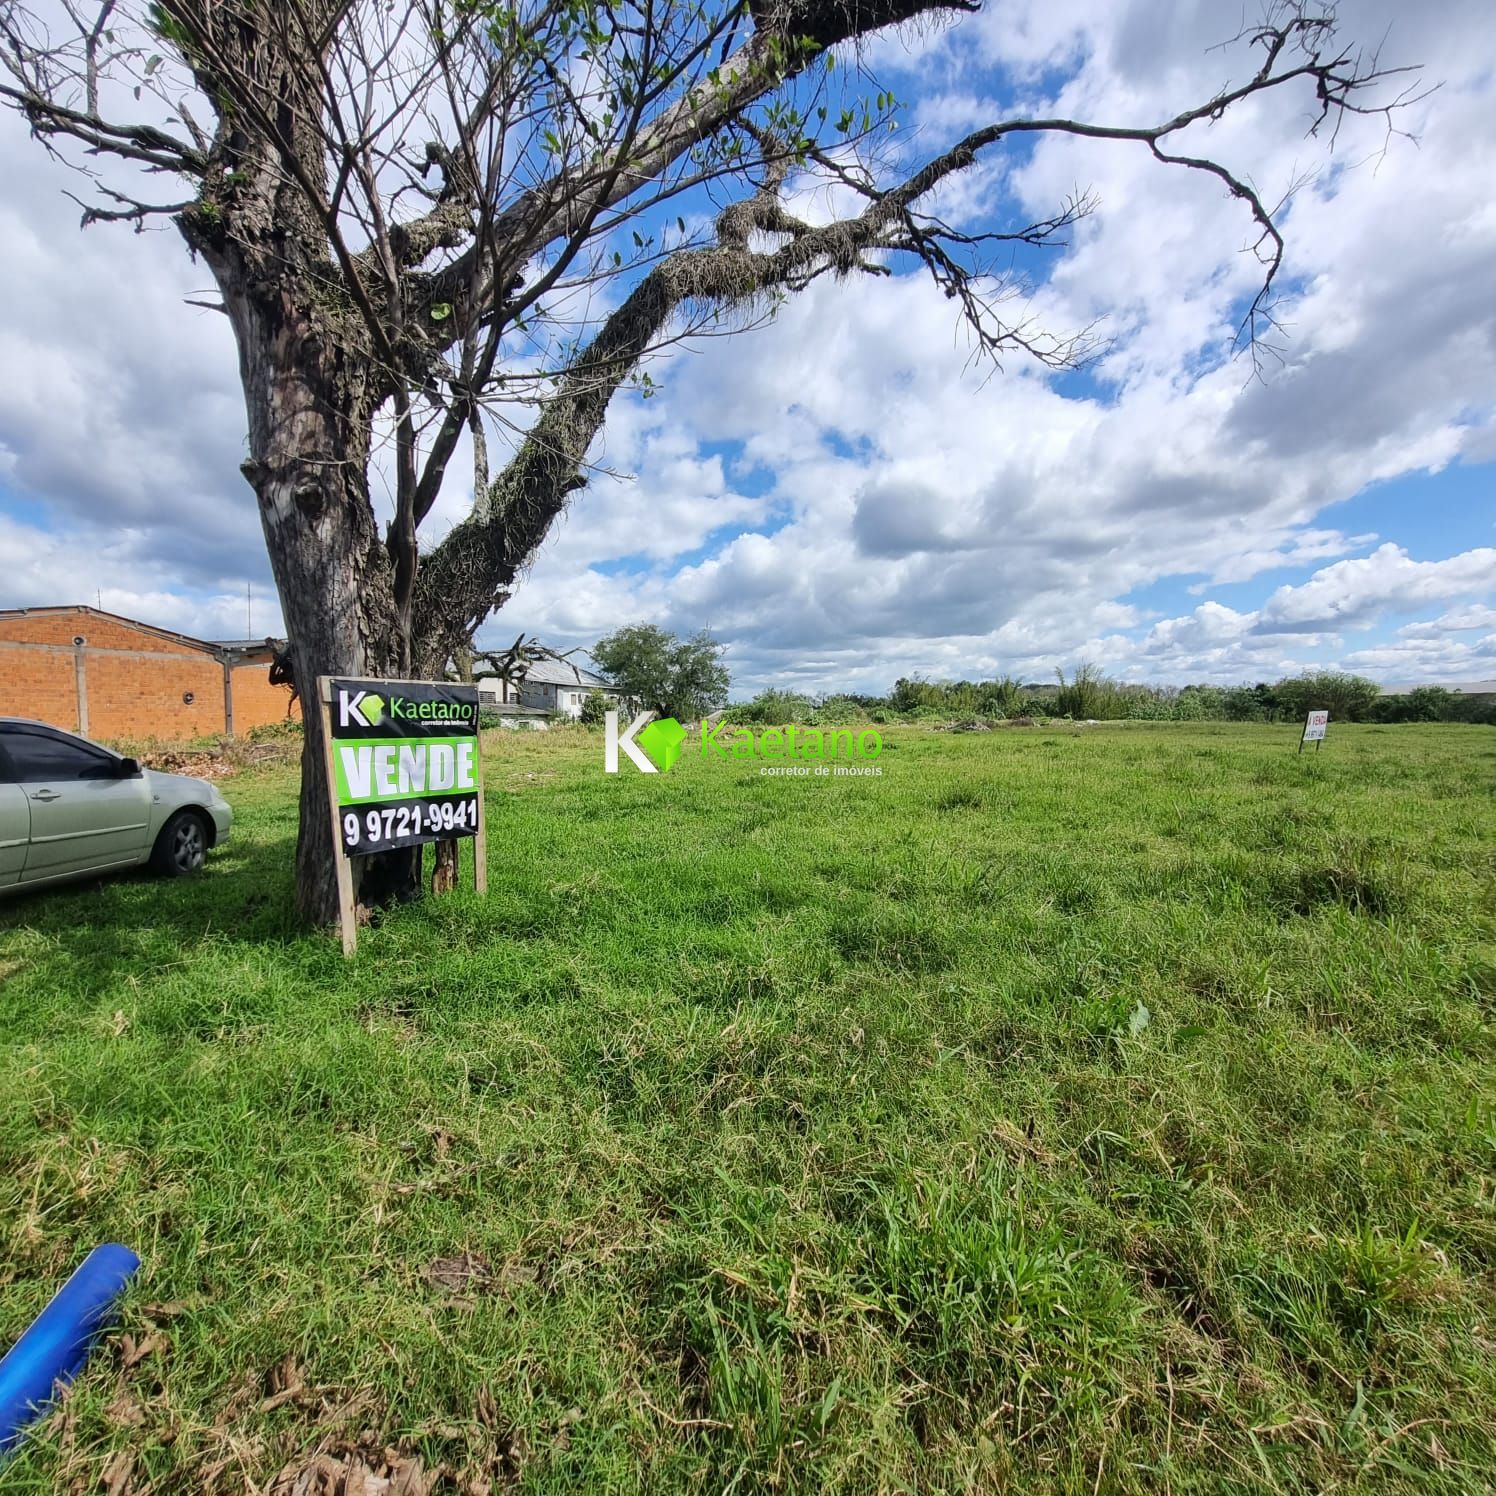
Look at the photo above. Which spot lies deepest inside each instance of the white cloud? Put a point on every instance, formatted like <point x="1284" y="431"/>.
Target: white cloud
<point x="1354" y="594"/>
<point x="924" y="518"/>
<point x="118" y="571"/>
<point x="1451" y="662"/>
<point x="1455" y="621"/>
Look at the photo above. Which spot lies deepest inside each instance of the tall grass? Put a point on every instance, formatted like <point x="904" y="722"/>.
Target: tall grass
<point x="1059" y="1110"/>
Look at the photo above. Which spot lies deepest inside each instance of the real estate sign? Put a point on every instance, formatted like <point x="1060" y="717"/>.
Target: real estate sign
<point x="1314" y="727"/>
<point x="404" y="763"/>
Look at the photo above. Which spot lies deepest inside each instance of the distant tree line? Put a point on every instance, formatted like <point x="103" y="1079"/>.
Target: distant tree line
<point x="687" y="678"/>
<point x="1090" y="695"/>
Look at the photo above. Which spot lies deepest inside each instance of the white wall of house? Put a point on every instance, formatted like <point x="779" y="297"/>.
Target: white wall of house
<point x="567" y="698"/>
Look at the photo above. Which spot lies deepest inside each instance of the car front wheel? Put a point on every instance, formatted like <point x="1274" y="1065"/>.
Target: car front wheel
<point x="182" y="846"/>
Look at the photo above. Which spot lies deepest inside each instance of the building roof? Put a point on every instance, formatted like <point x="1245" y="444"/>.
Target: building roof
<point x="219" y="647"/>
<point x="247" y="646"/>
<point x="134" y="623"/>
<point x="565" y="673"/>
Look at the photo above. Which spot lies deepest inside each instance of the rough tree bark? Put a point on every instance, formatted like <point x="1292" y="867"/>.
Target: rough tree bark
<point x="311" y="388"/>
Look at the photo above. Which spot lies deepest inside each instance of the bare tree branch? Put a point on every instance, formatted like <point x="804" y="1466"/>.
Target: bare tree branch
<point x="480" y="559"/>
<point x="143" y="143"/>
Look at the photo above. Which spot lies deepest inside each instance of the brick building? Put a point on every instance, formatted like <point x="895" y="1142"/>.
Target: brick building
<point x="109" y="677"/>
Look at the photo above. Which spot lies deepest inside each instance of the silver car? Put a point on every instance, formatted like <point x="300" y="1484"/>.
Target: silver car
<point x="71" y="809"/>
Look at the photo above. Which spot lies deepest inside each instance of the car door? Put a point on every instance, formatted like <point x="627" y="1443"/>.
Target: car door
<point x="15" y="827"/>
<point x="84" y="816"/>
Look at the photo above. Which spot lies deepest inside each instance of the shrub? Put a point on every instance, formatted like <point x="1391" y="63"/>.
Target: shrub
<point x="1248" y="704"/>
<point x="1347" y="698"/>
<point x="999" y="698"/>
<point x="1089" y="695"/>
<point x="773" y="707"/>
<point x="1473" y="708"/>
<point x="274" y="732"/>
<point x="840" y="711"/>
<point x="1151" y="706"/>
<point x="594" y="709"/>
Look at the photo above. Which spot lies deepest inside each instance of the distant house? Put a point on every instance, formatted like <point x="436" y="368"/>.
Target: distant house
<point x="494" y="692"/>
<point x="560" y="686"/>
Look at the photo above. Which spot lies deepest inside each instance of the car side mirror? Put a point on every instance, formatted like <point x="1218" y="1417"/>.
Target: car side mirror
<point x="128" y="768"/>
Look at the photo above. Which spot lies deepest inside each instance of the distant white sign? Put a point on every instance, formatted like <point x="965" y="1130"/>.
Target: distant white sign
<point x="1314" y="727"/>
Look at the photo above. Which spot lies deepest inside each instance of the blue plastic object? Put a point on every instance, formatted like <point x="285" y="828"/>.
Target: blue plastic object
<point x="54" y="1349"/>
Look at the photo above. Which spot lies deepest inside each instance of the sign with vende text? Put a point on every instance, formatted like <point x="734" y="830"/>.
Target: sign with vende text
<point x="1315" y="727"/>
<point x="404" y="764"/>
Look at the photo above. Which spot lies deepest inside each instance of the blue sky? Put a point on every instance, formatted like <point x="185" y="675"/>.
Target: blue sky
<point x="838" y="494"/>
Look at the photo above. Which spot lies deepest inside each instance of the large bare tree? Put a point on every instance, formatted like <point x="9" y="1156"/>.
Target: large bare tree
<point x="431" y="217"/>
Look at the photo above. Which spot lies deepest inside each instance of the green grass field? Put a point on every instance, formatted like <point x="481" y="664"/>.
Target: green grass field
<point x="1103" y="1109"/>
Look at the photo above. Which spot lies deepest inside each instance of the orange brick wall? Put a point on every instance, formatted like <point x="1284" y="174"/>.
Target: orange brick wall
<point x="256" y="701"/>
<point x="134" y="697"/>
<point x="136" y="679"/>
<point x="39" y="683"/>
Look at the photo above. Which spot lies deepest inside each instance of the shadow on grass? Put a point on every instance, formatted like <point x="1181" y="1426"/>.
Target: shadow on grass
<point x="91" y="936"/>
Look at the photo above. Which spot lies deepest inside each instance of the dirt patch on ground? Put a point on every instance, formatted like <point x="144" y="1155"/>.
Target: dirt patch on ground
<point x="219" y="760"/>
<point x="458" y="1274"/>
<point x="988" y="724"/>
<point x="460" y="1278"/>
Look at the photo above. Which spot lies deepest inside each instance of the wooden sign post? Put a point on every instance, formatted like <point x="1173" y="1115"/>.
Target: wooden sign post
<point x="1315" y="726"/>
<point x="403" y="769"/>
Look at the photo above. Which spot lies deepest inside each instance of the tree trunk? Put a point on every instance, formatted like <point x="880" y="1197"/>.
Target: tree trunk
<point x="309" y="398"/>
<point x="444" y="873"/>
